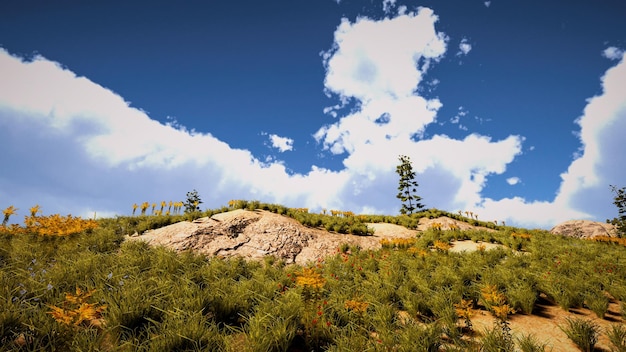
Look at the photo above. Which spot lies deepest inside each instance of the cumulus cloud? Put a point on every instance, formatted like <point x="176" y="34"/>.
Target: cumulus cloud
<point x="86" y="145"/>
<point x="513" y="180"/>
<point x="464" y="47"/>
<point x="366" y="64"/>
<point x="613" y="53"/>
<point x="79" y="147"/>
<point x="368" y="61"/>
<point x="388" y="5"/>
<point x="357" y="71"/>
<point x="487" y="3"/>
<point x="584" y="189"/>
<point x="283" y="144"/>
<point x="382" y="75"/>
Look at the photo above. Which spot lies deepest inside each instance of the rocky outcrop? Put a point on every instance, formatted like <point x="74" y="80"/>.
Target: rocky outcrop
<point x="240" y="232"/>
<point x="256" y="234"/>
<point x="584" y="229"/>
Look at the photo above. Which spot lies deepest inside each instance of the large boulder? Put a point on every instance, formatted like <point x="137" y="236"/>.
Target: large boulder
<point x="256" y="234"/>
<point x="243" y="233"/>
<point x="584" y="229"/>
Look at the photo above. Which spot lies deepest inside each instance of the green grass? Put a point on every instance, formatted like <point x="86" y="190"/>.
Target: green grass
<point x="157" y="299"/>
<point x="584" y="333"/>
<point x="617" y="337"/>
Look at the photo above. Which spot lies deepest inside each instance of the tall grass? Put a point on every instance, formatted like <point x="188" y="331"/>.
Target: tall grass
<point x="395" y="298"/>
<point x="583" y="333"/>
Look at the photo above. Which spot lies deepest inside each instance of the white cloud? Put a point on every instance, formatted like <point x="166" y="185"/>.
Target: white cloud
<point x="464" y="47"/>
<point x="382" y="75"/>
<point x="456" y="119"/>
<point x="283" y="144"/>
<point x="613" y="53"/>
<point x="519" y="212"/>
<point x="487" y="3"/>
<point x="513" y="180"/>
<point x="89" y="150"/>
<point x="78" y="147"/>
<point x="602" y="143"/>
<point x="464" y="164"/>
<point x="388" y="5"/>
<point x="584" y="189"/>
<point x="368" y="61"/>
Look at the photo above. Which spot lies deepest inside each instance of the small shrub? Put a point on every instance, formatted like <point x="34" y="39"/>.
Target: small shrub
<point x="617" y="337"/>
<point x="269" y="333"/>
<point x="522" y="296"/>
<point x="192" y="204"/>
<point x="427" y="338"/>
<point x="464" y="311"/>
<point x="529" y="343"/>
<point x="598" y="303"/>
<point x="442" y="246"/>
<point x="76" y="311"/>
<point x="496" y="340"/>
<point x="584" y="333"/>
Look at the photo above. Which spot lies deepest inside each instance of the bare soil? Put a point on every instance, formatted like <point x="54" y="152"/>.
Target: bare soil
<point x="544" y="324"/>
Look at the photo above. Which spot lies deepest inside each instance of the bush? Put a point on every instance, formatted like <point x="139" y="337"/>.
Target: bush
<point x="620" y="203"/>
<point x="529" y="343"/>
<point x="617" y="337"/>
<point x="584" y="333"/>
<point x="522" y="296"/>
<point x="495" y="340"/>
<point x="598" y="303"/>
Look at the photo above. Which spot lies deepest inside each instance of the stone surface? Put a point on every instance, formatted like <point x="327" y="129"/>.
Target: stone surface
<point x="255" y="234"/>
<point x="584" y="229"/>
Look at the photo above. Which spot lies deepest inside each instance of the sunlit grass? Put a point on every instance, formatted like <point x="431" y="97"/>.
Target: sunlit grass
<point x="90" y="290"/>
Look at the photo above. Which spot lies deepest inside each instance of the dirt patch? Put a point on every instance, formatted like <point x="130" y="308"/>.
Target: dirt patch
<point x="469" y="246"/>
<point x="448" y="224"/>
<point x="384" y="230"/>
<point x="544" y="324"/>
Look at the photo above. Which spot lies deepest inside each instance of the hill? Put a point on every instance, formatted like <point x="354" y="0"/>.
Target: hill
<point x="431" y="281"/>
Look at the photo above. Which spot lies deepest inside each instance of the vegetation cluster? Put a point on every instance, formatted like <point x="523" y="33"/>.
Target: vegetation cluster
<point x="620" y="202"/>
<point x="91" y="290"/>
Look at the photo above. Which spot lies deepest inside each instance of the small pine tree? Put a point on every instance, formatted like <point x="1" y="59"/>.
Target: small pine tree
<point x="620" y="203"/>
<point x="407" y="188"/>
<point x="193" y="202"/>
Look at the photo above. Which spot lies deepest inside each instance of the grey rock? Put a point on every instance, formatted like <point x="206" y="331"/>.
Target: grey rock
<point x="584" y="229"/>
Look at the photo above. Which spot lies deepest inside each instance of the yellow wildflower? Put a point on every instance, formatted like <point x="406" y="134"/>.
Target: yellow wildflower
<point x="309" y="278"/>
<point x="34" y="210"/>
<point x="11" y="210"/>
<point x="357" y="306"/>
<point x="442" y="246"/>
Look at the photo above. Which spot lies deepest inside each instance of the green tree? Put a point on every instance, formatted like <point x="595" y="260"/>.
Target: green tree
<point x="620" y="203"/>
<point x="193" y="202"/>
<point x="407" y="188"/>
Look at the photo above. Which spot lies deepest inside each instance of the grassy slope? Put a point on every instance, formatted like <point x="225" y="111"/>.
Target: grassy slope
<point x="356" y="300"/>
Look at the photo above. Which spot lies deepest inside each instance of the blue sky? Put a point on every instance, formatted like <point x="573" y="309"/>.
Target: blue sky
<point x="514" y="110"/>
